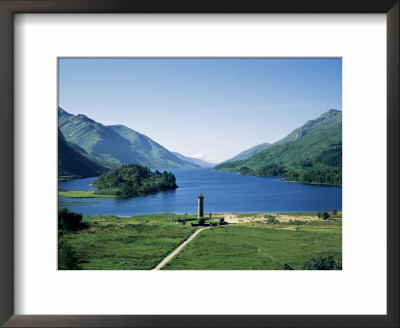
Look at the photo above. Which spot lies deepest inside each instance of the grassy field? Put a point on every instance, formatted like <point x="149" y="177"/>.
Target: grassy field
<point x="261" y="246"/>
<point x="141" y="242"/>
<point x="83" y="194"/>
<point x="137" y="243"/>
<point x="63" y="178"/>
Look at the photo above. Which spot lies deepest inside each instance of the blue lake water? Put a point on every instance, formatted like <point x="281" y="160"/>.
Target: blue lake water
<point x="223" y="192"/>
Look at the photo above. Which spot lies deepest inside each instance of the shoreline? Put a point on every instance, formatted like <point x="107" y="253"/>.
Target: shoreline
<point x="281" y="179"/>
<point x="90" y="194"/>
<point x="243" y="218"/>
<point x="83" y="194"/>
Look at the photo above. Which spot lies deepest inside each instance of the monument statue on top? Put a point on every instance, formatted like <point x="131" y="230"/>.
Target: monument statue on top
<point x="200" y="209"/>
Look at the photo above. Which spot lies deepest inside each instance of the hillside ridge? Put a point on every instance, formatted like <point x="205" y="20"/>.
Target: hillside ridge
<point x="116" y="144"/>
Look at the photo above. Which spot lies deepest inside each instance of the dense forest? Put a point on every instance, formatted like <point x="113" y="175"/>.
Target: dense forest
<point x="300" y="175"/>
<point x="134" y="180"/>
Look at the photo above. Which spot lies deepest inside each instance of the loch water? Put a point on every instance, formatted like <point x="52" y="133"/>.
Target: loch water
<point x="226" y="192"/>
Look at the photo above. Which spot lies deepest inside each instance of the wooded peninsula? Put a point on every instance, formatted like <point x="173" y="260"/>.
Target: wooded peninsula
<point x="133" y="180"/>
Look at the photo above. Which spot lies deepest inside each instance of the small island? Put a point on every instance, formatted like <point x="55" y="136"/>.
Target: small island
<point x="126" y="181"/>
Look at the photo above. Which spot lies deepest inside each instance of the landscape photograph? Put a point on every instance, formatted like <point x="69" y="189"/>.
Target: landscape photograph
<point x="199" y="164"/>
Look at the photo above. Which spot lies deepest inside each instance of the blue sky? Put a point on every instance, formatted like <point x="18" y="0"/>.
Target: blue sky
<point x="210" y="108"/>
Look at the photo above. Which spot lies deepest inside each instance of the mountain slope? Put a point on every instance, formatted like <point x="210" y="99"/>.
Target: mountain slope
<point x="309" y="154"/>
<point x="116" y="145"/>
<point x="319" y="147"/>
<point x="95" y="138"/>
<point x="151" y="152"/>
<point x="194" y="161"/>
<point x="326" y="120"/>
<point x="249" y="152"/>
<point x="75" y="163"/>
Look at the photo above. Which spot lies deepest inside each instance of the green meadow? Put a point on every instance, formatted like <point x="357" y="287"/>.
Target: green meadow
<point x="137" y="243"/>
<point x="141" y="242"/>
<point x="83" y="194"/>
<point x="261" y="246"/>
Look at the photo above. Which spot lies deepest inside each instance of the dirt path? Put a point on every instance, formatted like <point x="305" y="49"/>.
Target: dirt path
<point x="177" y="250"/>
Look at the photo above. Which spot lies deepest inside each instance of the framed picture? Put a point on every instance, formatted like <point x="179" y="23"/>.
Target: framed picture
<point x="146" y="105"/>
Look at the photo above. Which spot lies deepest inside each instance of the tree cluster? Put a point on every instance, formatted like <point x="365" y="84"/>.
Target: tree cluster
<point x="322" y="263"/>
<point x="68" y="220"/>
<point x="323" y="177"/>
<point x="68" y="257"/>
<point x="134" y="180"/>
<point x="246" y="171"/>
<point x="300" y="175"/>
<point x="271" y="170"/>
<point x="318" y="263"/>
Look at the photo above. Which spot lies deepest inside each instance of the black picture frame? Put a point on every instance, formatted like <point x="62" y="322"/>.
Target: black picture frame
<point x="10" y="7"/>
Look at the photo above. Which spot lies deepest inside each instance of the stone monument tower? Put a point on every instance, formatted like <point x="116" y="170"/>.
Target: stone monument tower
<point x="200" y="206"/>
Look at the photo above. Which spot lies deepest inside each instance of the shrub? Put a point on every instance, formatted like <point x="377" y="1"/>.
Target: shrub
<point x="298" y="222"/>
<point x="325" y="215"/>
<point x="67" y="257"/>
<point x="221" y="220"/>
<point x="334" y="212"/>
<point x="68" y="220"/>
<point x="273" y="220"/>
<point x="287" y="267"/>
<point x="268" y="216"/>
<point x="322" y="263"/>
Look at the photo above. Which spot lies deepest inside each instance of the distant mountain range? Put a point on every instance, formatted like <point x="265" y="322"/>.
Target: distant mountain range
<point x="311" y="153"/>
<point x="194" y="161"/>
<point x="113" y="145"/>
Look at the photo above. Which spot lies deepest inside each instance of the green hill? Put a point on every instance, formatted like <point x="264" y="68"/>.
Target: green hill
<point x="151" y="153"/>
<point x="74" y="162"/>
<point x="116" y="145"/>
<point x="309" y="154"/>
<point x="328" y="119"/>
<point x="249" y="152"/>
